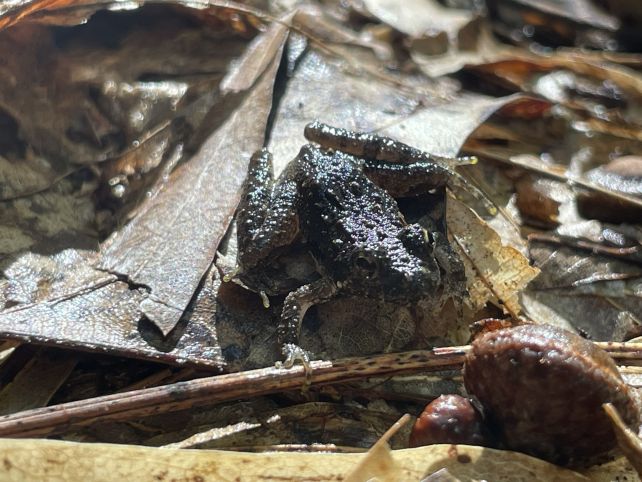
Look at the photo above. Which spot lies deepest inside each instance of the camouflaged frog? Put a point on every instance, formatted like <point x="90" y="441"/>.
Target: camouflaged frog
<point x="338" y="196"/>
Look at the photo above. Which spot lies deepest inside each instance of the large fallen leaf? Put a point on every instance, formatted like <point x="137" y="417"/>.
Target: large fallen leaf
<point x="39" y="459"/>
<point x="442" y="129"/>
<point x="494" y="272"/>
<point x="58" y="297"/>
<point x="104" y="315"/>
<point x="179" y="230"/>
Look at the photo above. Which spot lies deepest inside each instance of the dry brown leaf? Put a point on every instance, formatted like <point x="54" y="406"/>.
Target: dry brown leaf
<point x="39" y="459"/>
<point x="442" y="129"/>
<point x="104" y="316"/>
<point x="49" y="287"/>
<point x="73" y="12"/>
<point x="178" y="231"/>
<point x="494" y="272"/>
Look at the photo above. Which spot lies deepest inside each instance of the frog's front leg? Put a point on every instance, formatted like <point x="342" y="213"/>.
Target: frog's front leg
<point x="415" y="178"/>
<point x="255" y="200"/>
<point x="294" y="308"/>
<point x="267" y="216"/>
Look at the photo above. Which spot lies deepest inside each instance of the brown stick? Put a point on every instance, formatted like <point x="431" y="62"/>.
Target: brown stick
<point x="207" y="391"/>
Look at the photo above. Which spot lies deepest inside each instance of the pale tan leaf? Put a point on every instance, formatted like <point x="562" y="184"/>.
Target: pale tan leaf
<point x="494" y="272"/>
<point x="618" y="469"/>
<point x="36" y="460"/>
<point x="378" y="463"/>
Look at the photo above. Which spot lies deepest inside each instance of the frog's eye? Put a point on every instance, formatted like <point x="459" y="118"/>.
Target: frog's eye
<point x="367" y="265"/>
<point x="414" y="238"/>
<point x="355" y="188"/>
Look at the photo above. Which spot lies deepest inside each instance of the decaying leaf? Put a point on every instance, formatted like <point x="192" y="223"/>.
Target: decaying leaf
<point x="179" y="230"/>
<point x="35" y="459"/>
<point x="494" y="272"/>
<point x="66" y="292"/>
<point x="104" y="315"/>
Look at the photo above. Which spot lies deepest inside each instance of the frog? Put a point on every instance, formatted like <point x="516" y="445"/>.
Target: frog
<point x="338" y="196"/>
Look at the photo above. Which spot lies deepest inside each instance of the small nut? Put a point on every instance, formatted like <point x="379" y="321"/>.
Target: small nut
<point x="542" y="390"/>
<point x="449" y="419"/>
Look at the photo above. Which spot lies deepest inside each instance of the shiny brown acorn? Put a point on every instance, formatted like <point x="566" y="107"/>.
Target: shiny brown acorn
<point x="542" y="389"/>
<point x="448" y="419"/>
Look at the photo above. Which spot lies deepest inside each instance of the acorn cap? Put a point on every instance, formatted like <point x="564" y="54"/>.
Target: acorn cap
<point x="542" y="389"/>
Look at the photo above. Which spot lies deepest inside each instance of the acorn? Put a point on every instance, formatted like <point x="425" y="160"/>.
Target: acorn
<point x="542" y="390"/>
<point x="448" y="419"/>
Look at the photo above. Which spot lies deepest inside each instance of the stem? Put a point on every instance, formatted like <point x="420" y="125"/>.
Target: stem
<point x="47" y="421"/>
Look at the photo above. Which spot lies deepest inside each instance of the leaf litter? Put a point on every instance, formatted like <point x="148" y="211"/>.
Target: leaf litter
<point x="112" y="216"/>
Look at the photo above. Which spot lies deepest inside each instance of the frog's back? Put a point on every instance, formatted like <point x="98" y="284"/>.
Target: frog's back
<point x="345" y="212"/>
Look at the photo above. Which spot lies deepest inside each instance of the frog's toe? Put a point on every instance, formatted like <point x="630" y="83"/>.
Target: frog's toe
<point x="294" y="353"/>
<point x="231" y="274"/>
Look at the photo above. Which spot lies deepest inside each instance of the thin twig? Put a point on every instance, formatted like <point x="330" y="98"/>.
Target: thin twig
<point x="207" y="391"/>
<point x="211" y="390"/>
<point x="631" y="253"/>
